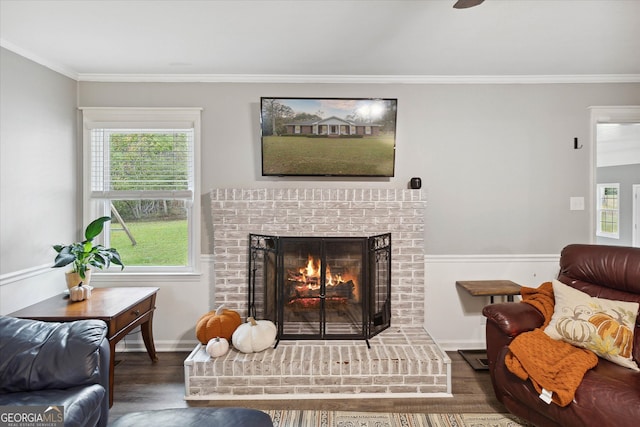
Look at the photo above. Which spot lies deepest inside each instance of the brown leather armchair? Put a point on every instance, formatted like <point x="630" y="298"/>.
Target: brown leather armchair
<point x="609" y="394"/>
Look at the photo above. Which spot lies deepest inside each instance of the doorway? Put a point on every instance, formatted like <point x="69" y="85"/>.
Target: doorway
<point x="636" y="216"/>
<point x="615" y="158"/>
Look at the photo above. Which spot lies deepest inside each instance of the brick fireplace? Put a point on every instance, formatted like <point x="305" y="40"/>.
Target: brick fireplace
<point x="236" y="213"/>
<point x="415" y="366"/>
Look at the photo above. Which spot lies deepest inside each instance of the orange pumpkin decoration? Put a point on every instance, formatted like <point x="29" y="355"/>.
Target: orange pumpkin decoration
<point x="220" y="323"/>
<point x="622" y="336"/>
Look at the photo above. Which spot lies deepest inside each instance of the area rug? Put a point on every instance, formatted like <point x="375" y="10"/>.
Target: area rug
<point x="284" y="418"/>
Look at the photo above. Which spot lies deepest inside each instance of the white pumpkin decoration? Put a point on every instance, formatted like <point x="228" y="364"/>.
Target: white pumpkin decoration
<point x="80" y="292"/>
<point x="217" y="347"/>
<point x="254" y="336"/>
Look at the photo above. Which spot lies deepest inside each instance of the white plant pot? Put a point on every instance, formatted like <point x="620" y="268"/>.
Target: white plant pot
<point x="74" y="279"/>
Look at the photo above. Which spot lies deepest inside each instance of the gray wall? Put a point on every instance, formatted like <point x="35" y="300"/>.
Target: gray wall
<point x="39" y="175"/>
<point x="626" y="176"/>
<point x="497" y="161"/>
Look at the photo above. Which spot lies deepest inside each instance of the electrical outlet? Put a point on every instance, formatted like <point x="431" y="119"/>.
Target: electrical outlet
<point x="576" y="203"/>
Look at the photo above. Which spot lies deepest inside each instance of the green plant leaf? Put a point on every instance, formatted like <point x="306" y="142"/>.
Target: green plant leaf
<point x="115" y="258"/>
<point x="85" y="254"/>
<point x="64" y="259"/>
<point x="95" y="227"/>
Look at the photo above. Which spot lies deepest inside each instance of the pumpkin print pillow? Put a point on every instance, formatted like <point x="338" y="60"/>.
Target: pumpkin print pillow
<point x="601" y="325"/>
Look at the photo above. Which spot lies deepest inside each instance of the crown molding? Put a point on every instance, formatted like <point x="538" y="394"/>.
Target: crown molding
<point x="58" y="68"/>
<point x="360" y="79"/>
<point x="321" y="78"/>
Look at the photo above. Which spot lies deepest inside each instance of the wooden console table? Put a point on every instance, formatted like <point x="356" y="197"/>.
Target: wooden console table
<point x="122" y="309"/>
<point x="491" y="288"/>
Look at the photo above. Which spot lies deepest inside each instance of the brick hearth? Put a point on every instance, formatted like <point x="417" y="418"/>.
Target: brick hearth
<point x="402" y="360"/>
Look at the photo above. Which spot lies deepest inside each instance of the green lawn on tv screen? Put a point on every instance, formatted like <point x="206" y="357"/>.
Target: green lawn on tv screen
<point x="299" y="155"/>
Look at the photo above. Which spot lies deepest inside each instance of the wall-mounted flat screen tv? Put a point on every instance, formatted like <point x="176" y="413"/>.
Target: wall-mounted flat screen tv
<point x="328" y="136"/>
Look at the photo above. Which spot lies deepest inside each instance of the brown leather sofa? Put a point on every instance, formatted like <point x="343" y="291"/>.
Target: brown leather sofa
<point x="609" y="394"/>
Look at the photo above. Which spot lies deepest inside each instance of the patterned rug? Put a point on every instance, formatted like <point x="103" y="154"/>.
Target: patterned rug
<point x="284" y="418"/>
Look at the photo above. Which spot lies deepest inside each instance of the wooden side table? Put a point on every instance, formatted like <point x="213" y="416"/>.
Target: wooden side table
<point x="491" y="288"/>
<point x="122" y="309"/>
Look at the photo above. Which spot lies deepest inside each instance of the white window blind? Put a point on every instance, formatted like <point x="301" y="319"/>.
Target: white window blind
<point x="142" y="163"/>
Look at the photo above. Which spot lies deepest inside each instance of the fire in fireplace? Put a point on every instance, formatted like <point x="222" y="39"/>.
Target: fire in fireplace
<point x="321" y="287"/>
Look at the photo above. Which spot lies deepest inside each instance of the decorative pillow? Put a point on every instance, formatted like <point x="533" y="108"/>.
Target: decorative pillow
<point x="600" y="325"/>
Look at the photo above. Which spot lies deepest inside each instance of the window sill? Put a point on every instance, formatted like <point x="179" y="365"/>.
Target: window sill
<point x="608" y="235"/>
<point x="129" y="278"/>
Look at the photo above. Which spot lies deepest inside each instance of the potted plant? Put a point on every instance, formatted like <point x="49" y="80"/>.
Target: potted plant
<point x="85" y="255"/>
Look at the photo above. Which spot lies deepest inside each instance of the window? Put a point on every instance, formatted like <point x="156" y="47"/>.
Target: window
<point x="140" y="169"/>
<point x="608" y="216"/>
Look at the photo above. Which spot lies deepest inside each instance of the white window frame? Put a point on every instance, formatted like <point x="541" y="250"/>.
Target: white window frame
<point x="145" y="118"/>
<point x="600" y="188"/>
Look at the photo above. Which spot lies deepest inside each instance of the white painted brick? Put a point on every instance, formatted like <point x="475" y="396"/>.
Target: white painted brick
<point x="238" y="212"/>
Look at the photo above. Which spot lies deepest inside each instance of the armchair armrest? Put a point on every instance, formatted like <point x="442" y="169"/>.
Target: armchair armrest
<point x="504" y="322"/>
<point x="513" y="318"/>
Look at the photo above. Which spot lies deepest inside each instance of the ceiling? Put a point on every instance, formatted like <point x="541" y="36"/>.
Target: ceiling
<point x="396" y="39"/>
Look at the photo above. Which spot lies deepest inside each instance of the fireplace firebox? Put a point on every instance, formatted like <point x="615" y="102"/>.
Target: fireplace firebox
<point x="321" y="287"/>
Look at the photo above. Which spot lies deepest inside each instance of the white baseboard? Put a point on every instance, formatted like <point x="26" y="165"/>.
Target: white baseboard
<point x="162" y="346"/>
<point x="455" y="345"/>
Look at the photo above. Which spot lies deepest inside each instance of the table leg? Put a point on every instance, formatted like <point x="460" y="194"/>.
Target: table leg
<point x="112" y="365"/>
<point x="147" y="336"/>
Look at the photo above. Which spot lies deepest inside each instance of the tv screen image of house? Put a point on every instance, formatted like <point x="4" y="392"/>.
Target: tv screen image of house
<point x="328" y="136"/>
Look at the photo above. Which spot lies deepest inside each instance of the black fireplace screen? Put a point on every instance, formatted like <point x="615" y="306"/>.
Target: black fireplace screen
<point x="321" y="287"/>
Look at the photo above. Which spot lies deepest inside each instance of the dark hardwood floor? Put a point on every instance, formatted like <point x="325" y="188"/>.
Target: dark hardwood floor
<point x="141" y="385"/>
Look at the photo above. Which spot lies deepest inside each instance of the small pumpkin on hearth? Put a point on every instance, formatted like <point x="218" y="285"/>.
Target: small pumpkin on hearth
<point x="254" y="336"/>
<point x="219" y="323"/>
<point x="217" y="347"/>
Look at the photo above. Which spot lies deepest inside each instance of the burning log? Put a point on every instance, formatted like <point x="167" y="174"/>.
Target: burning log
<point x="341" y="290"/>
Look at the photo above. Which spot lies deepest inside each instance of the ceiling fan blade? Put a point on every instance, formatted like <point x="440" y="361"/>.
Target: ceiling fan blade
<point x="463" y="4"/>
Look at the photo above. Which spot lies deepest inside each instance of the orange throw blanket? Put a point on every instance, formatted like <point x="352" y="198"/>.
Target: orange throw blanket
<point x="552" y="365"/>
<point x="542" y="299"/>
